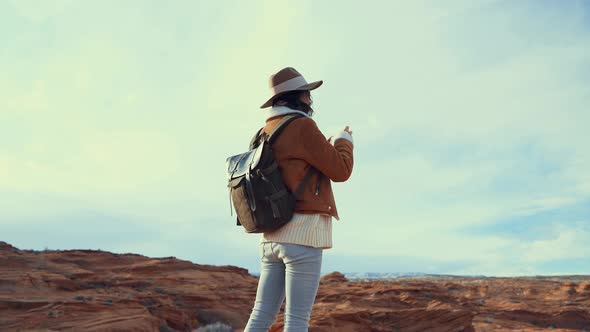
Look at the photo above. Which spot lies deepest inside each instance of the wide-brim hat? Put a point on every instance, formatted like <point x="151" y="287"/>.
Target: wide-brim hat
<point x="285" y="80"/>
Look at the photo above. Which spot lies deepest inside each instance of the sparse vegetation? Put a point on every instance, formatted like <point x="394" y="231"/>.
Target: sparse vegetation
<point x="165" y="328"/>
<point x="216" y="327"/>
<point x="207" y="317"/>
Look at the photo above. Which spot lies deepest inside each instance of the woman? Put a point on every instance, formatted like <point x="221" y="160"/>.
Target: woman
<point x="292" y="255"/>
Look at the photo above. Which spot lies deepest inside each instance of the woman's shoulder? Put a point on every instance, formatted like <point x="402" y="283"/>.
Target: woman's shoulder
<point x="301" y="123"/>
<point x="305" y="122"/>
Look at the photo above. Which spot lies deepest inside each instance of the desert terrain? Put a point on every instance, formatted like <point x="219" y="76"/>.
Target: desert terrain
<point x="94" y="290"/>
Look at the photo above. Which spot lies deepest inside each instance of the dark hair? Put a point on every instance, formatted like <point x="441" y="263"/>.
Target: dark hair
<point x="291" y="100"/>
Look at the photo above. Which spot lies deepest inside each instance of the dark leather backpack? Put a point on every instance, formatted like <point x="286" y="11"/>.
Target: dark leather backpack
<point x="261" y="199"/>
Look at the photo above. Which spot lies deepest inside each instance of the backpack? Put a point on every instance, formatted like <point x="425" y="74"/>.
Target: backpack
<point x="261" y="199"/>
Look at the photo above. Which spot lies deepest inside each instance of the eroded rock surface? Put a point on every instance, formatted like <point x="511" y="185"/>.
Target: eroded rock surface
<point x="89" y="290"/>
<point x="92" y="290"/>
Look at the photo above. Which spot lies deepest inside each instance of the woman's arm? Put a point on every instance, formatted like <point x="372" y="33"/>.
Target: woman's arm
<point x="334" y="159"/>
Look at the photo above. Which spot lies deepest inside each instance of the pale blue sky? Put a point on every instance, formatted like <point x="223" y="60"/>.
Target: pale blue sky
<point x="470" y="123"/>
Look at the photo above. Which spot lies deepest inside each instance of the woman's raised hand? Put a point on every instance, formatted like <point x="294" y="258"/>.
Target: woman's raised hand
<point x="347" y="129"/>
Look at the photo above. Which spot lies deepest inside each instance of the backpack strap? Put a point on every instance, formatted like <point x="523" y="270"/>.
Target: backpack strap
<point x="255" y="140"/>
<point x="279" y="128"/>
<point x="299" y="189"/>
<point x="272" y="138"/>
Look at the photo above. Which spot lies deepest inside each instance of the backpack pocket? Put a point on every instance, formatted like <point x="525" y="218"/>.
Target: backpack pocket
<point x="240" y="197"/>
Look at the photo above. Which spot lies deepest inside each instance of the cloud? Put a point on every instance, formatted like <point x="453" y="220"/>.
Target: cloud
<point x="115" y="163"/>
<point x="38" y="12"/>
<point x="569" y="243"/>
<point x="469" y="120"/>
<point x="86" y="229"/>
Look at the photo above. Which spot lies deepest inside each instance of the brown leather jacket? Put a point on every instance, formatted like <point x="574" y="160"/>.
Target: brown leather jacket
<point x="302" y="144"/>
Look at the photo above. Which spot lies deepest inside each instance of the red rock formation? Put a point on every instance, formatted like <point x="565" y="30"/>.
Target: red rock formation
<point x="89" y="290"/>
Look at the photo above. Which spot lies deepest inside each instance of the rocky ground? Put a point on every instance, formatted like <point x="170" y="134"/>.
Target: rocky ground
<point x="90" y="290"/>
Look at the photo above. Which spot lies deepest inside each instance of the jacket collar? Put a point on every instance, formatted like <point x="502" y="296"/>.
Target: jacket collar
<point x="281" y="110"/>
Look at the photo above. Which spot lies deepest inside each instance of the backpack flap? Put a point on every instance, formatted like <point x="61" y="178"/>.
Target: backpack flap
<point x="239" y="165"/>
<point x="238" y="170"/>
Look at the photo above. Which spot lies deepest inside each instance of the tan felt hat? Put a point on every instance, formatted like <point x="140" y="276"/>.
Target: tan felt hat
<point x="288" y="79"/>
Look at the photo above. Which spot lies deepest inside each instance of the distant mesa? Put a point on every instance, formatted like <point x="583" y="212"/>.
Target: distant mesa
<point x="334" y="277"/>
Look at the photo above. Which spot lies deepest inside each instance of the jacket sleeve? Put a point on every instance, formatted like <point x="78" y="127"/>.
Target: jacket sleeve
<point x="335" y="161"/>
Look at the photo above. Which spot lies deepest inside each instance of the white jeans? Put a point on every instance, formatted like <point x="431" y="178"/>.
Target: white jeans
<point x="291" y="271"/>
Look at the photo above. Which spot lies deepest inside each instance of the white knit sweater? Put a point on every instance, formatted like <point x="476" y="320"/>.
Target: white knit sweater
<point x="314" y="230"/>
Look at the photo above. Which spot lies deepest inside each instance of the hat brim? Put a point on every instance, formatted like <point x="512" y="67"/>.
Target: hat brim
<point x="308" y="86"/>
